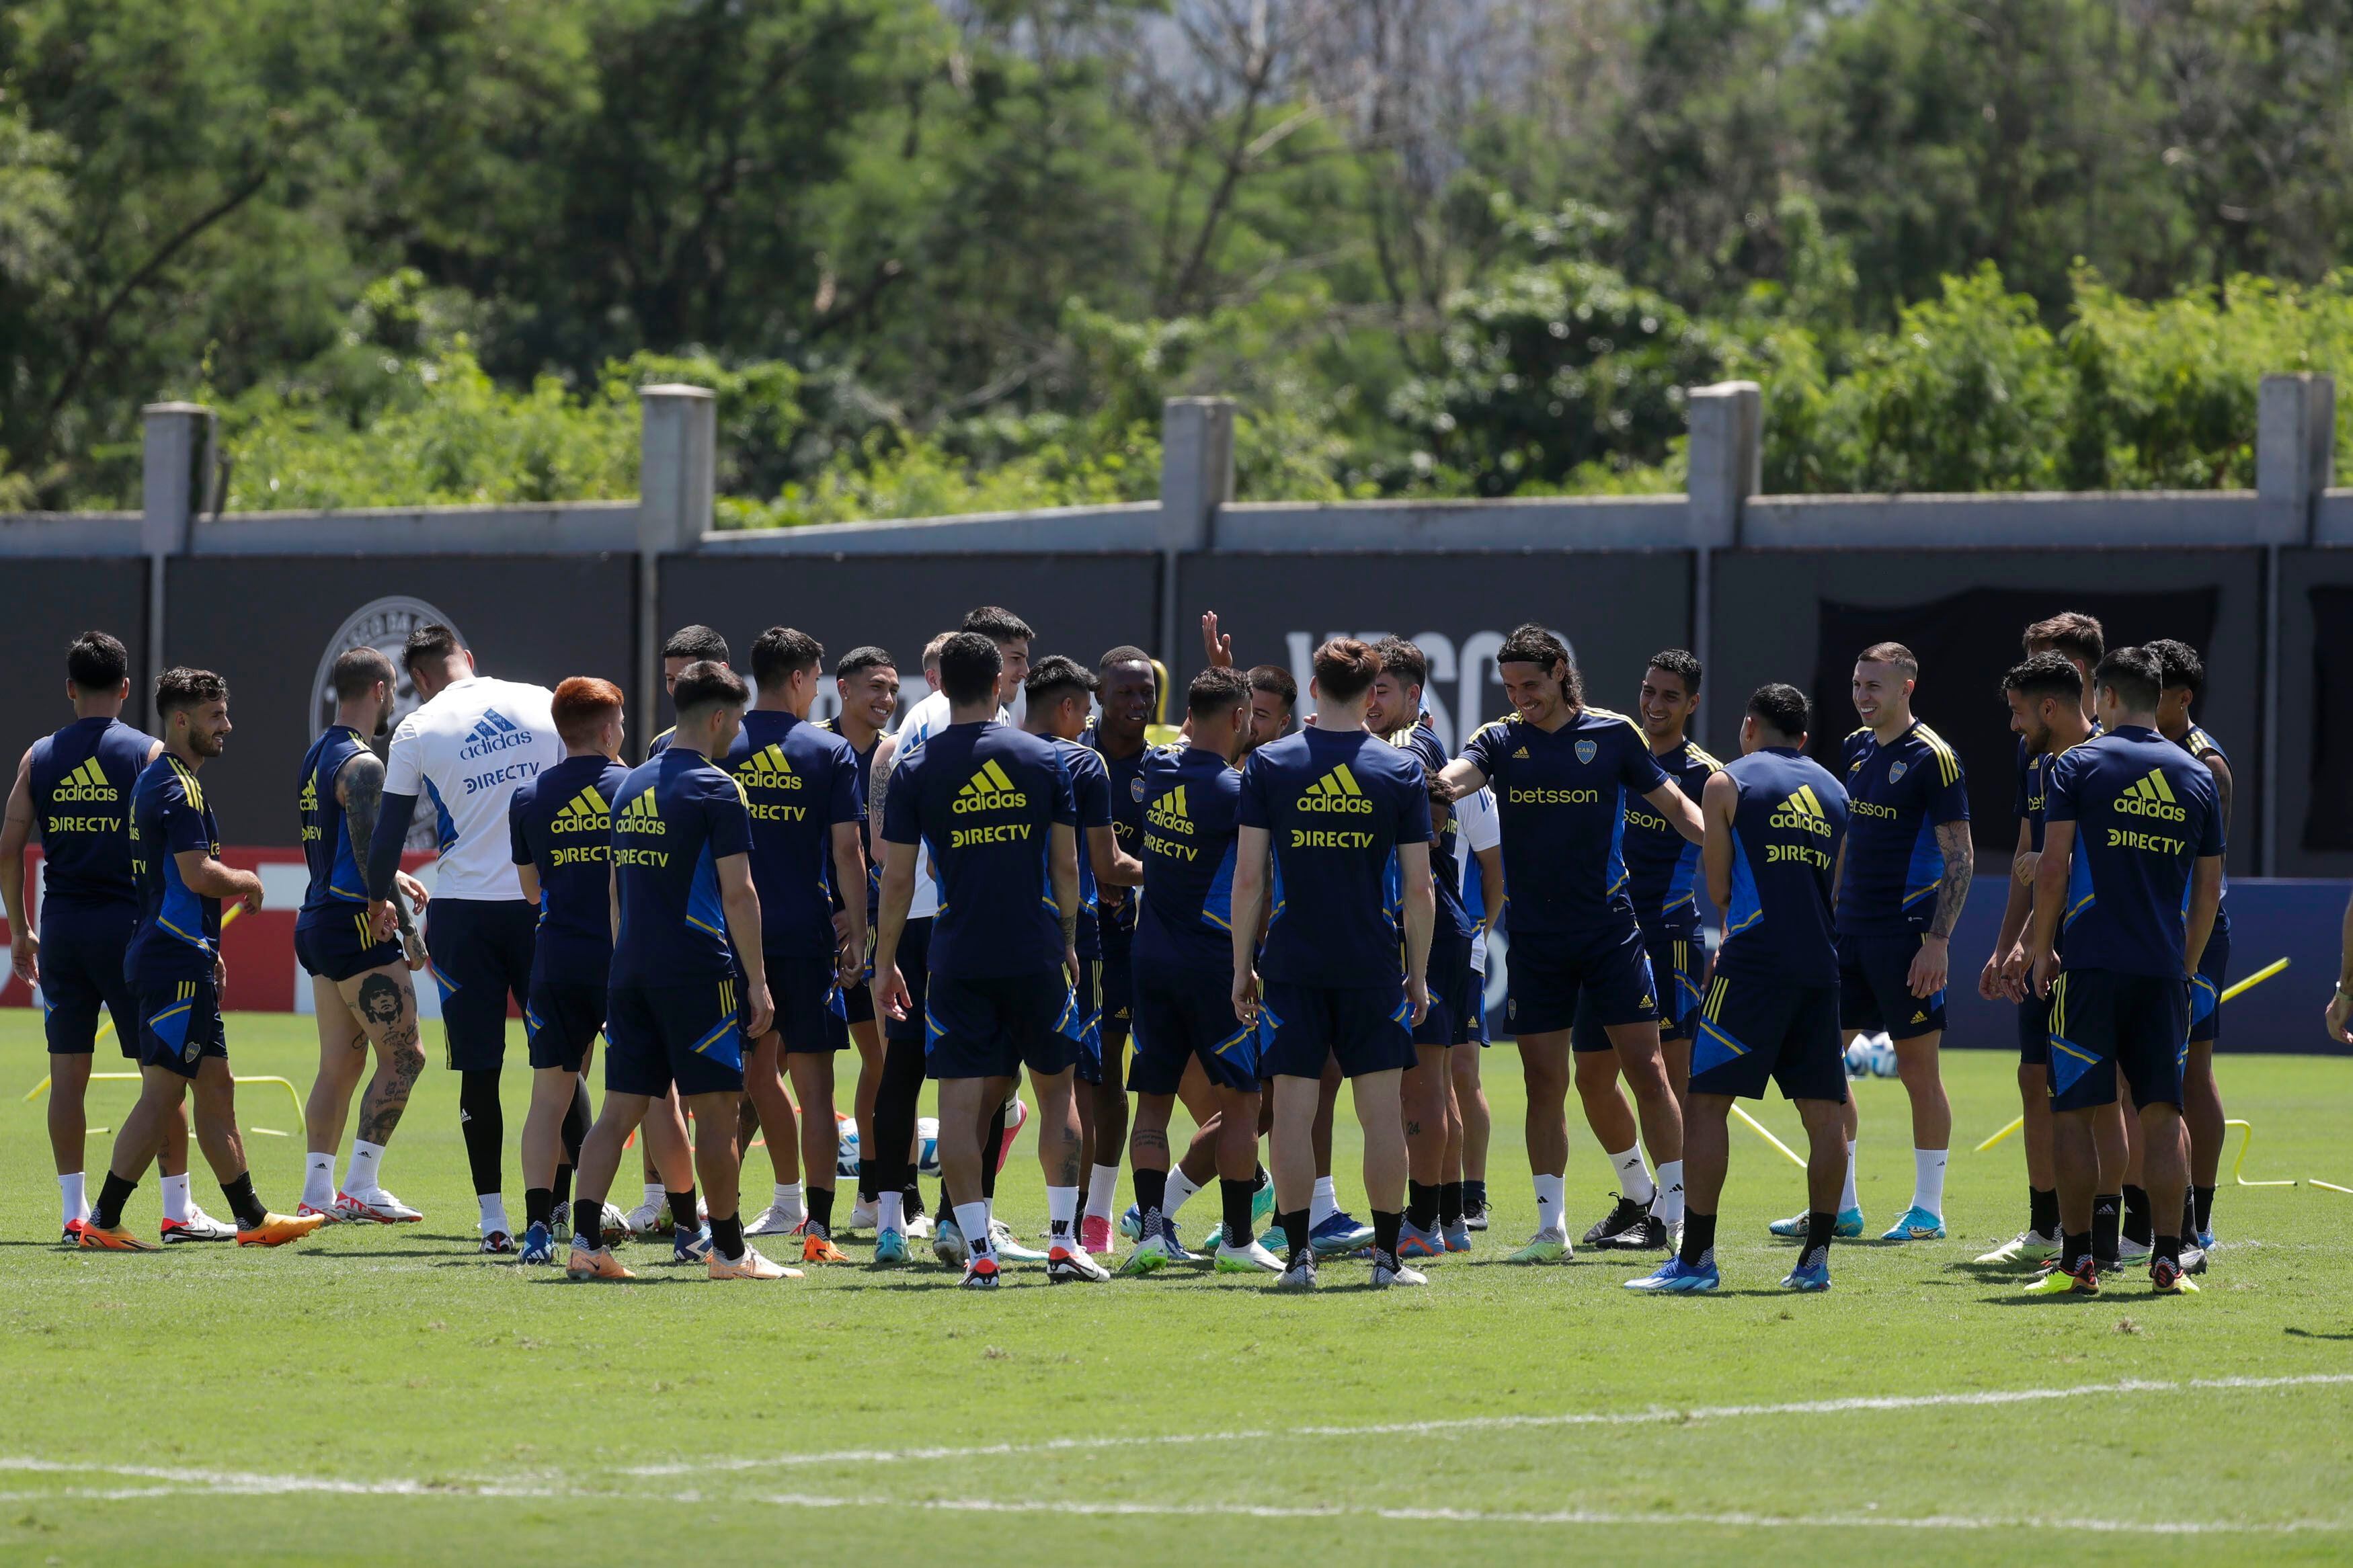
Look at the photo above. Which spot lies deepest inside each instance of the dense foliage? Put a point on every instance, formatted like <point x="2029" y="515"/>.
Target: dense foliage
<point x="950" y="255"/>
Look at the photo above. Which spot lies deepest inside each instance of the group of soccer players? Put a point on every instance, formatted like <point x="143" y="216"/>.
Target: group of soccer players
<point x="1269" y="906"/>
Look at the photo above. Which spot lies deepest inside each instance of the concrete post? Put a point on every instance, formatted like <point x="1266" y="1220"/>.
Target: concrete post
<point x="2296" y="459"/>
<point x="1197" y="477"/>
<point x="174" y="433"/>
<point x="1726" y="459"/>
<point x="677" y="461"/>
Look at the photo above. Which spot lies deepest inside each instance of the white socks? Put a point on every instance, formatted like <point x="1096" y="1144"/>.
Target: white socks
<point x="175" y="1196"/>
<point x="1668" y="1208"/>
<point x="70" y="1200"/>
<point x="1549" y="1191"/>
<point x="494" y="1213"/>
<point x="1848" y="1200"/>
<point x="1928" y="1181"/>
<point x="890" y="1213"/>
<point x="1062" y="1218"/>
<point x="1633" y="1180"/>
<point x="1324" y="1204"/>
<point x="788" y="1201"/>
<point x="319" y="1180"/>
<point x="656" y="1198"/>
<point x="1180" y="1188"/>
<point x="972" y="1220"/>
<point x="1103" y="1190"/>
<point x="366" y="1157"/>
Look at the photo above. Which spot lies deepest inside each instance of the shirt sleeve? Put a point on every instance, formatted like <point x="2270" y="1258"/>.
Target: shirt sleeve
<point x="2211" y="836"/>
<point x="1481" y="828"/>
<point x="182" y="824"/>
<point x="899" y="824"/>
<point x="2022" y="805"/>
<point x="2059" y="789"/>
<point x="1413" y="809"/>
<point x="404" y="760"/>
<point x="845" y="801"/>
<point x="1249" y="806"/>
<point x="1638" y="770"/>
<point x="518" y="841"/>
<point x="1066" y="799"/>
<point x="1484" y="749"/>
<point x="1949" y="802"/>
<point x="730" y="819"/>
<point x="1091" y="789"/>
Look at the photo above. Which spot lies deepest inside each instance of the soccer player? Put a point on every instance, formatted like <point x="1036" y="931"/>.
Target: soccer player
<point x="1057" y="694"/>
<point x="360" y="989"/>
<point x="1431" y="1117"/>
<point x="2132" y="871"/>
<point x="679" y="1004"/>
<point x="686" y="646"/>
<point x="2184" y="677"/>
<point x="2338" y="1014"/>
<point x="472" y="741"/>
<point x="1129" y="694"/>
<point x="1775" y="822"/>
<point x="560" y="837"/>
<point x="1563" y="772"/>
<point x="1184" y="975"/>
<point x="2046" y="711"/>
<point x="801" y="783"/>
<point x="73" y="788"/>
<point x="1482" y="900"/>
<point x="175" y="968"/>
<point x="903" y="1067"/>
<point x="1901" y="888"/>
<point x="1661" y="867"/>
<point x="994" y="806"/>
<point x="866" y="680"/>
<point x="1340" y="813"/>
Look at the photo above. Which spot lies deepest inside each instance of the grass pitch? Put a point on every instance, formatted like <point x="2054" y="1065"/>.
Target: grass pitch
<point x="383" y="1393"/>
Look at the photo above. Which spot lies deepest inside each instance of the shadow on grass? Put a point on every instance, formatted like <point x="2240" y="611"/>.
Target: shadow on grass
<point x="2309" y="1334"/>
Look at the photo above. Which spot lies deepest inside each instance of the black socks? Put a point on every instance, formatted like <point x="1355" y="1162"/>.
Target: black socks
<point x="2042" y="1210"/>
<point x="1699" y="1236"/>
<point x="2107" y="1214"/>
<point x="111" y="1196"/>
<point x="1450" y="1205"/>
<point x="819" y="1203"/>
<point x="483" y="1122"/>
<point x="1235" y="1197"/>
<point x="1421" y="1204"/>
<point x="682" y="1210"/>
<point x="241" y="1202"/>
<point x="2138" y="1226"/>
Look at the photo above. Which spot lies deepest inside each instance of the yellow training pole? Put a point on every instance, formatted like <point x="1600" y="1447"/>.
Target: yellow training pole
<point x="2246" y="1139"/>
<point x="1759" y="1129"/>
<point x="2007" y="1128"/>
<point x="2257" y="978"/>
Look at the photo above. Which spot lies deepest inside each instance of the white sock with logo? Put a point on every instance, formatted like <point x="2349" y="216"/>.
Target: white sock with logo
<point x="360" y="1179"/>
<point x="1103" y="1190"/>
<point x="1633" y="1180"/>
<point x="788" y="1202"/>
<point x="175" y="1196"/>
<point x="1668" y="1209"/>
<point x="1848" y="1199"/>
<point x="319" y="1180"/>
<point x="71" y="1199"/>
<point x="1062" y="1218"/>
<point x="656" y="1199"/>
<point x="1180" y="1188"/>
<point x="972" y="1220"/>
<point x="890" y="1212"/>
<point x="1325" y="1204"/>
<point x="1928" y="1181"/>
<point x="1549" y="1203"/>
<point x="494" y="1213"/>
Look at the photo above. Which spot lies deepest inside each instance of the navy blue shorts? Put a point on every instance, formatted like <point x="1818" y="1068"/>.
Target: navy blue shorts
<point x="857" y="1002"/>
<point x="1088" y="997"/>
<point x="994" y="1026"/>
<point x="1478" y="1034"/>
<point x="1452" y="986"/>
<point x="1364" y="1025"/>
<point x="1118" y="988"/>
<point x="81" y="972"/>
<point x="1676" y="962"/>
<point x="914" y="968"/>
<point x="688" y="1035"/>
<point x="481" y="952"/>
<point x="1549" y="975"/>
<point x="1876" y="988"/>
<point x="2213" y="975"/>
<point x="180" y="1025"/>
<point x="562" y="1021"/>
<point x="2034" y="1031"/>
<point x="1753" y="1028"/>
<point x="802" y="992"/>
<point x="1184" y="1013"/>
<point x="2103" y="1021"/>
<point x="335" y="944"/>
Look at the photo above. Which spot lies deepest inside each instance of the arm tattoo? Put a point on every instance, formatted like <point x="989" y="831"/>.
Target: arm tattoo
<point x="362" y="783"/>
<point x="1960" y="865"/>
<point x="878" y="788"/>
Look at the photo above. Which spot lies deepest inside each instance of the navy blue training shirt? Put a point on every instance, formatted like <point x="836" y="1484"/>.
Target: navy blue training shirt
<point x="984" y="798"/>
<point x="1191" y="799"/>
<point x="1090" y="795"/>
<point x="865" y="827"/>
<point x="1336" y="807"/>
<point x="1420" y="742"/>
<point x="1561" y="798"/>
<point x="1786" y="831"/>
<point x="2145" y="812"/>
<point x="1661" y="865"/>
<point x="2199" y="743"/>
<point x="336" y="888"/>
<point x="560" y="824"/>
<point x="81" y="780"/>
<point x="677" y="818"/>
<point x="799" y="782"/>
<point x="178" y="934"/>
<point x="1901" y="793"/>
<point x="1116" y="907"/>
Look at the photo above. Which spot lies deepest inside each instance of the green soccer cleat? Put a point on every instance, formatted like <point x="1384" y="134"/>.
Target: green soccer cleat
<point x="1546" y="1246"/>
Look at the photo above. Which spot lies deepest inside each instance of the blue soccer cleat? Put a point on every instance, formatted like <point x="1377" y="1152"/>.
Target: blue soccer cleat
<point x="1814" y="1276"/>
<point x="1415" y="1242"/>
<point x="1917" y="1224"/>
<point x="1677" y="1278"/>
<point x="1262" y="1198"/>
<point x="1849" y="1227"/>
<point x="1457" y="1237"/>
<point x="890" y="1247"/>
<point x="690" y="1246"/>
<point x="538" y="1243"/>
<point x="1340" y="1232"/>
<point x="1131" y="1224"/>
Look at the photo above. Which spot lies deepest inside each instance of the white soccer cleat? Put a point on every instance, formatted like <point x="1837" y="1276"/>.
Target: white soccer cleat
<point x="919" y="1228"/>
<point x="777" y="1220"/>
<point x="1251" y="1258"/>
<point x="378" y="1208"/>
<point x="1065" y="1265"/>
<point x="647" y="1218"/>
<point x="1301" y="1274"/>
<point x="861" y="1216"/>
<point x="751" y="1266"/>
<point x="198" y="1227"/>
<point x="1008" y="1248"/>
<point x="1386" y="1274"/>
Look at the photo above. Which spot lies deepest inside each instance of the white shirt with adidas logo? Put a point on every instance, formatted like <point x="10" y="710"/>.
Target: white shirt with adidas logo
<point x="463" y="754"/>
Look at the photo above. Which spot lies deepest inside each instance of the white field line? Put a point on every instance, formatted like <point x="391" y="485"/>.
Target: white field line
<point x="1654" y="1416"/>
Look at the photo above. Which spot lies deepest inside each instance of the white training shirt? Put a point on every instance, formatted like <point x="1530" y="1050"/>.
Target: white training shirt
<point x="1481" y="829"/>
<point x="925" y="719"/>
<point x="462" y="755"/>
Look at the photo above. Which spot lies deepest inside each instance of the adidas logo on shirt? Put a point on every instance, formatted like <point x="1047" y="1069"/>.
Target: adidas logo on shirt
<point x="1521" y="755"/>
<point x="85" y="782"/>
<point x="307" y="801"/>
<point x="588" y="813"/>
<point x="988" y="789"/>
<point x="493" y="731"/>
<point x="637" y="817"/>
<point x="768" y="769"/>
<point x="1169" y="813"/>
<point x="2152" y="797"/>
<point x="1801" y="812"/>
<point x="1335" y="791"/>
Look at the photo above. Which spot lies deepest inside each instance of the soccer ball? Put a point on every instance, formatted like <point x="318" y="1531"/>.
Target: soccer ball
<point x="927" y="1142"/>
<point x="1858" y="1057"/>
<point x="1883" y="1056"/>
<point x="845" y="1158"/>
<point x="615" y="1224"/>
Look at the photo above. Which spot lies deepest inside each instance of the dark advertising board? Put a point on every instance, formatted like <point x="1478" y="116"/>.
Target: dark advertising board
<point x="274" y="625"/>
<point x="2315" y="749"/>
<point x="1614" y="609"/>
<point x="1802" y="618"/>
<point x="51" y="603"/>
<point x="1080" y="604"/>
